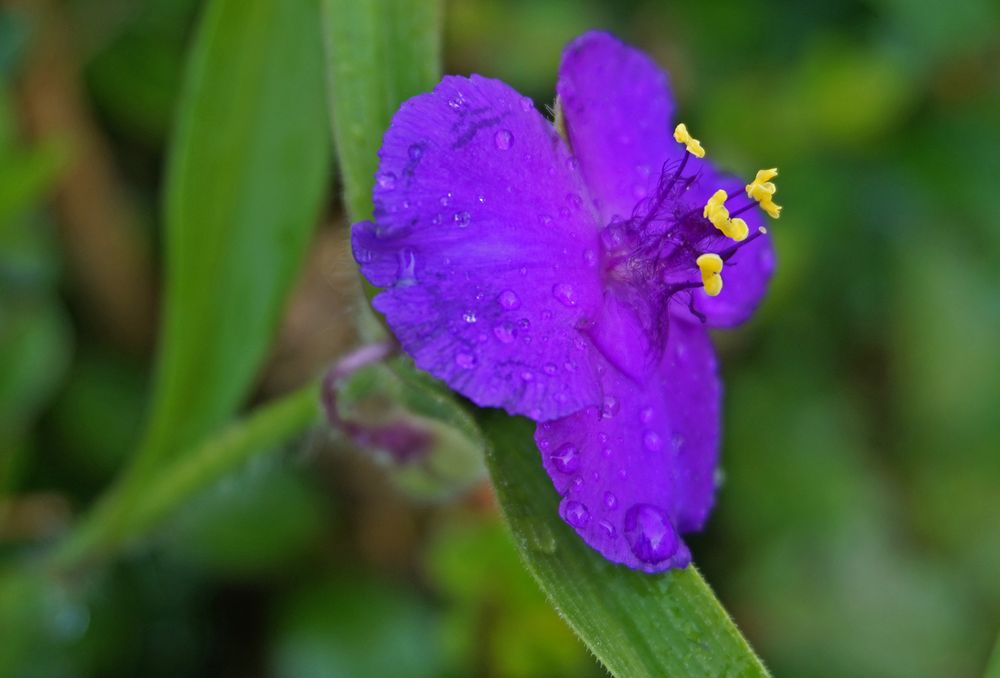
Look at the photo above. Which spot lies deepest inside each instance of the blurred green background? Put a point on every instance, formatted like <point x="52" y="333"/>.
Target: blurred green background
<point x="858" y="528"/>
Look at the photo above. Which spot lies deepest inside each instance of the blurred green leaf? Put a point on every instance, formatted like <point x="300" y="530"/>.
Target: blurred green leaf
<point x="34" y="351"/>
<point x="355" y="627"/>
<point x="252" y="523"/>
<point x="495" y="614"/>
<point x="26" y="176"/>
<point x="379" y="53"/>
<point x="993" y="669"/>
<point x="249" y="162"/>
<point x="637" y="624"/>
<point x="40" y="621"/>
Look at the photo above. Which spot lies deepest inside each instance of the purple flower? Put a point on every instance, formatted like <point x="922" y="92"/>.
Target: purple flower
<point x="574" y="280"/>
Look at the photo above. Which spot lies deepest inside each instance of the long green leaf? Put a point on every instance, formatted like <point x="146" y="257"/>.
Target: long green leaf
<point x="379" y="53"/>
<point x="637" y="624"/>
<point x="249" y="161"/>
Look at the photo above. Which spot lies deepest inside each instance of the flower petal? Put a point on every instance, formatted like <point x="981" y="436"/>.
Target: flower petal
<point x="487" y="249"/>
<point x="640" y="471"/>
<point x="617" y="107"/>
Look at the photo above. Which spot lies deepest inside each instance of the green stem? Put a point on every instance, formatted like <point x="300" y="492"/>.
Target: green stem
<point x="132" y="508"/>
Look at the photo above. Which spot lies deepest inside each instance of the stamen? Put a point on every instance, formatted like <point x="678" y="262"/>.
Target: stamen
<point x="682" y="136"/>
<point x="716" y="212"/>
<point x="710" y="265"/>
<point x="762" y="189"/>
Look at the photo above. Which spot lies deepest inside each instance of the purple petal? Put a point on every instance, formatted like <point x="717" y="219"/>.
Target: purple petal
<point x="639" y="471"/>
<point x="618" y="111"/>
<point x="486" y="248"/>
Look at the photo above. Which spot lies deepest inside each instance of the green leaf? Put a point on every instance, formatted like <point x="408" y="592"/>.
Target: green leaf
<point x="637" y="624"/>
<point x="993" y="668"/>
<point x="379" y="52"/>
<point x="249" y="161"/>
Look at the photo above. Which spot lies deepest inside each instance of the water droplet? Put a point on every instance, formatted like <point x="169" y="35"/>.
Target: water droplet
<point x="503" y="139"/>
<point x="457" y="103"/>
<point x="526" y="104"/>
<point x="406" y="265"/>
<point x="445" y="199"/>
<point x="639" y="192"/>
<point x="576" y="514"/>
<point x="649" y="533"/>
<point x="608" y="528"/>
<point x="646" y="415"/>
<point x="544" y="219"/>
<point x="550" y="369"/>
<point x="524" y="324"/>
<point x="677" y="442"/>
<point x="590" y="257"/>
<point x="612" y="237"/>
<point x="566" y="459"/>
<point x="610" y="501"/>
<point x="546" y="315"/>
<point x="505" y="332"/>
<point x="481" y="199"/>
<point x="509" y="300"/>
<point x="574" y="199"/>
<point x="651" y="441"/>
<point x="611" y="407"/>
<point x="363" y="256"/>
<point x="462" y="219"/>
<point x="469" y="316"/>
<point x="564" y="293"/>
<point x="570" y="366"/>
<point x="540" y="536"/>
<point x="436" y="220"/>
<point x="465" y="360"/>
<point x="606" y="452"/>
<point x="415" y="151"/>
<point x="386" y="180"/>
<point x="527" y="375"/>
<point x="719" y="478"/>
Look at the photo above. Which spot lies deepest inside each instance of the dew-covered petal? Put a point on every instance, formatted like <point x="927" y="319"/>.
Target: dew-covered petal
<point x="639" y="471"/>
<point x="618" y="110"/>
<point x="747" y="272"/>
<point x="486" y="249"/>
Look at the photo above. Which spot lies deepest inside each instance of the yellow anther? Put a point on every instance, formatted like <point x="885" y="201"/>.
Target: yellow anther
<point x="716" y="212"/>
<point x="682" y="136"/>
<point x="711" y="267"/>
<point x="737" y="229"/>
<point x="762" y="189"/>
